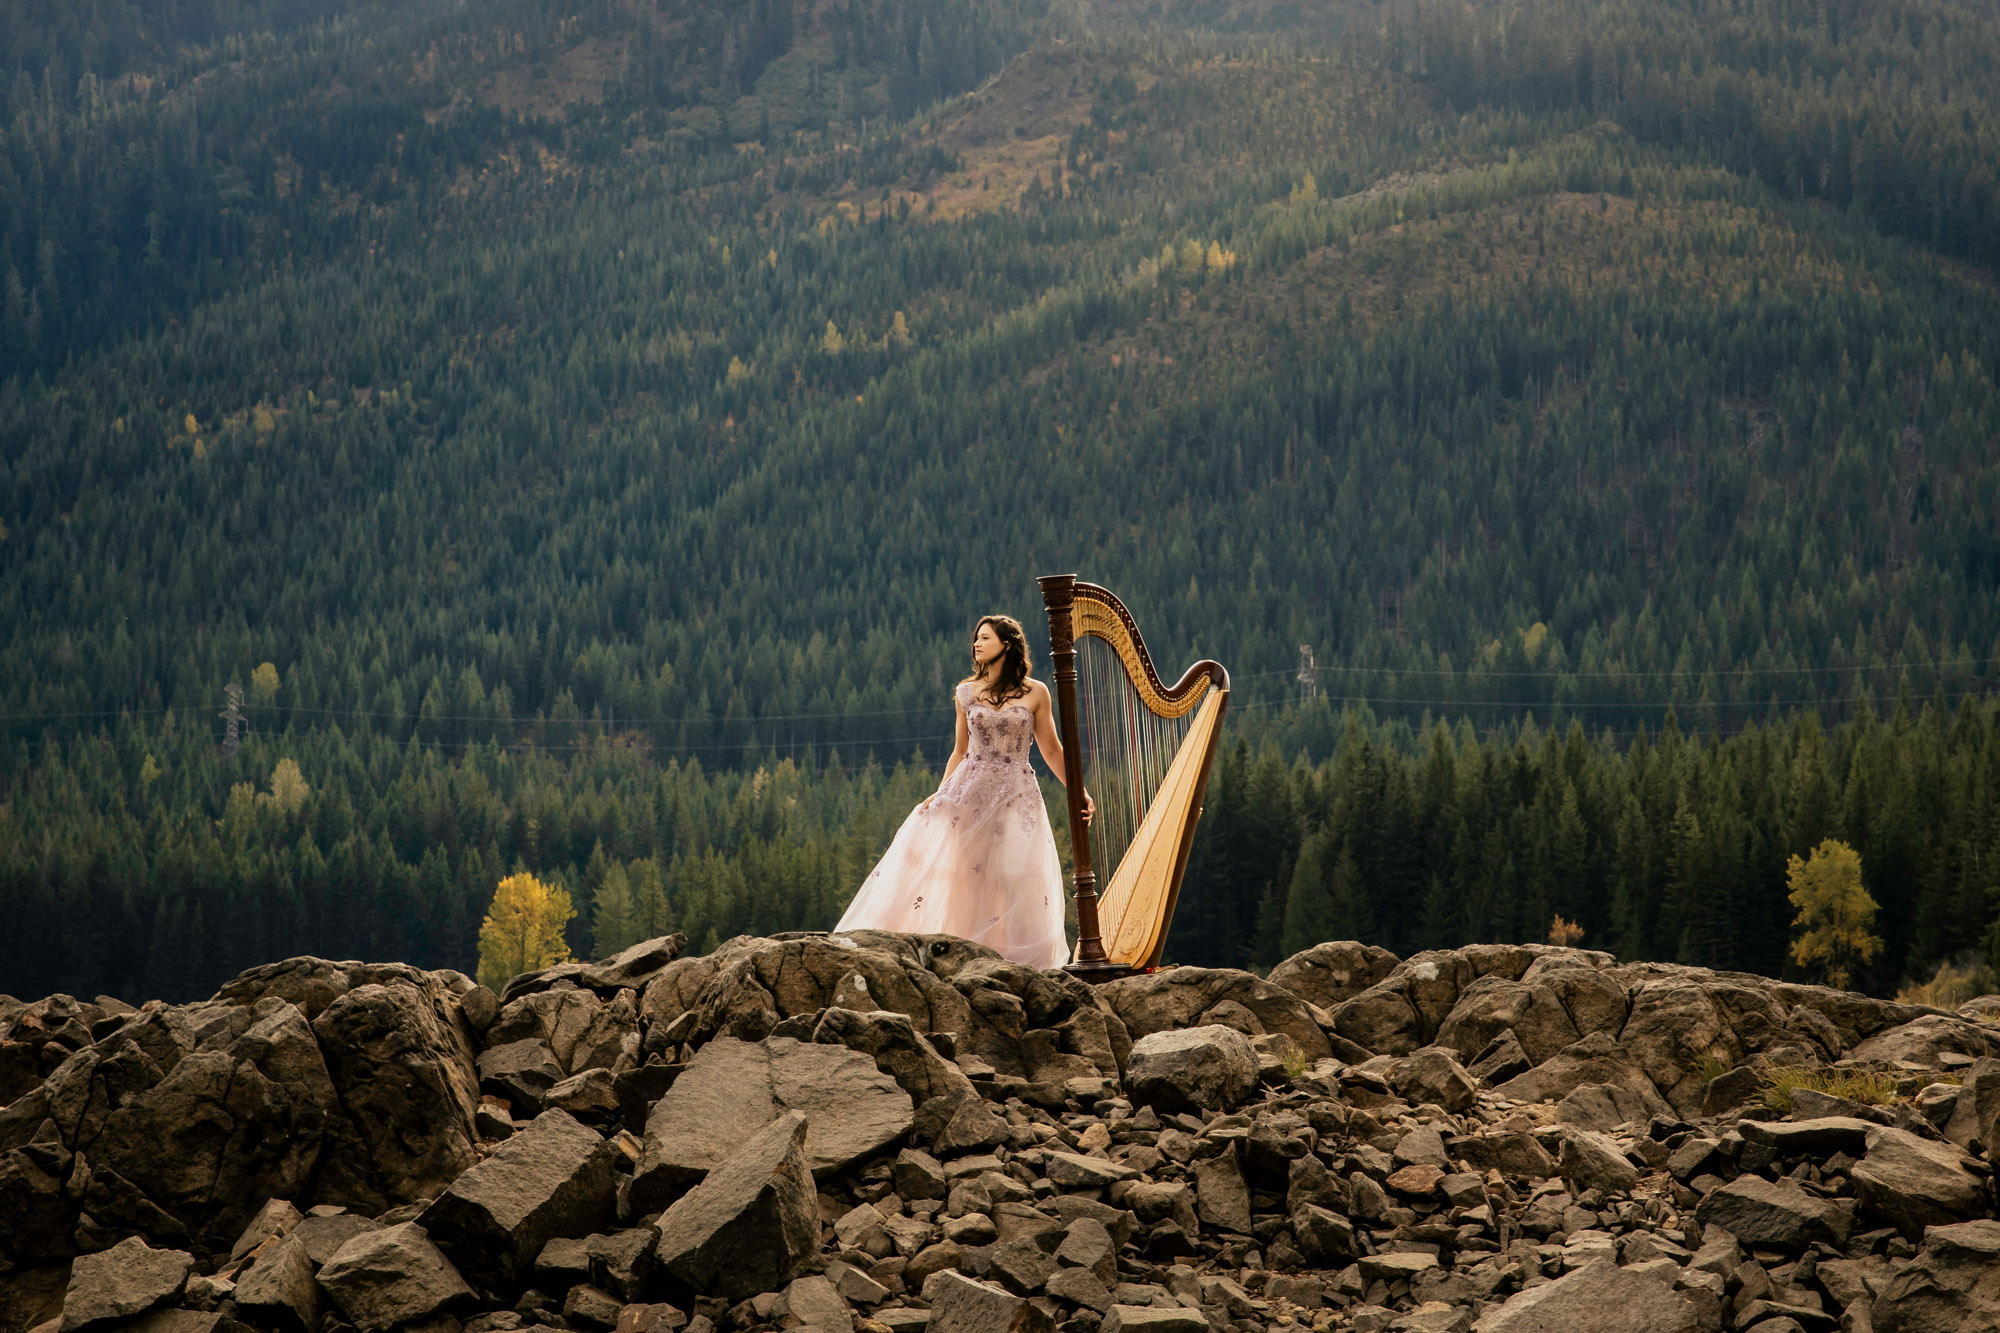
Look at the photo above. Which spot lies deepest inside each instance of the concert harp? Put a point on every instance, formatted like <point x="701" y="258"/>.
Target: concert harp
<point x="1143" y="749"/>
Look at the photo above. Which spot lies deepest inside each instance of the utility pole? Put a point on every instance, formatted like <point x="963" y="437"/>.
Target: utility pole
<point x="1308" y="676"/>
<point x="232" y="717"/>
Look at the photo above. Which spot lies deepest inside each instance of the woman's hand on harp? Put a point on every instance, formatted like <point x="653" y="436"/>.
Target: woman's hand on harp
<point x="1089" y="807"/>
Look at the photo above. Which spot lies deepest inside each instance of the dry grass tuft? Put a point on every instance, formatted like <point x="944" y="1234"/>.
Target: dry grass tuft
<point x="1855" y="1085"/>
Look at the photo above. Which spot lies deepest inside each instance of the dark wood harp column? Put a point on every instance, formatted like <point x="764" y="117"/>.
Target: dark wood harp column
<point x="1057" y="595"/>
<point x="1152" y="745"/>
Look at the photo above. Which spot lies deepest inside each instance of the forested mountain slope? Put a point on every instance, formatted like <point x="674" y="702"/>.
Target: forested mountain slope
<point x="577" y="405"/>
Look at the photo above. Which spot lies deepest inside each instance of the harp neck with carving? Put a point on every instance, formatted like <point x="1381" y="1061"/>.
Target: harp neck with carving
<point x="1143" y="749"/>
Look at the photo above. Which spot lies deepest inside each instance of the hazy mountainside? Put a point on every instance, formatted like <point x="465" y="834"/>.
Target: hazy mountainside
<point x="640" y="382"/>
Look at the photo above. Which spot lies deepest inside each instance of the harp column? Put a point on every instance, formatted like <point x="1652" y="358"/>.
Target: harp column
<point x="1058" y="595"/>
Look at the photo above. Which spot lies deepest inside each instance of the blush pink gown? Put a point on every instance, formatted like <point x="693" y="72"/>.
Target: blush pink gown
<point x="980" y="861"/>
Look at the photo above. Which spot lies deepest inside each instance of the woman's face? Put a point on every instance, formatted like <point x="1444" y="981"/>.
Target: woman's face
<point x="986" y="645"/>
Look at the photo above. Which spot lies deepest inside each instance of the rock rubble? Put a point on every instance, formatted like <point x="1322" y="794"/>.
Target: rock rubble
<point x="876" y="1133"/>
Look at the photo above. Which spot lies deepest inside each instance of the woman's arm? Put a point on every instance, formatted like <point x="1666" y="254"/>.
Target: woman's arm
<point x="957" y="746"/>
<point x="1043" y="707"/>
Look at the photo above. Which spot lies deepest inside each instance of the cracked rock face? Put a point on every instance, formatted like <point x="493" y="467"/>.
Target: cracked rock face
<point x="876" y="1133"/>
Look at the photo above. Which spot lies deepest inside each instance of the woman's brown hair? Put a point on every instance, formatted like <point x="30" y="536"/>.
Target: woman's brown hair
<point x="1014" y="663"/>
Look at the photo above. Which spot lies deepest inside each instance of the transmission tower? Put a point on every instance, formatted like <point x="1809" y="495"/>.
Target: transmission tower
<point x="233" y="720"/>
<point x="1308" y="676"/>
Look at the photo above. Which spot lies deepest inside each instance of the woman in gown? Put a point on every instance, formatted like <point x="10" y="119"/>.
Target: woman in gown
<point x="977" y="859"/>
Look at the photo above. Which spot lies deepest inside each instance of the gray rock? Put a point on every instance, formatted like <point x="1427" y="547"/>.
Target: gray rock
<point x="752" y="1223"/>
<point x="1433" y="1075"/>
<point x="184" y="1321"/>
<point x="1153" y="1319"/>
<point x="1088" y="1244"/>
<point x="1501" y="1059"/>
<point x="129" y="1278"/>
<point x="816" y="1303"/>
<point x="1190" y="997"/>
<point x="1821" y="1136"/>
<point x="1422" y="1146"/>
<point x="1809" y="1104"/>
<point x="590" y="1095"/>
<point x="732" y="1089"/>
<point x="1922" y="1040"/>
<point x="403" y="1069"/>
<point x="323" y="1236"/>
<point x="1079" y="1286"/>
<point x="1021" y="1265"/>
<point x="892" y="1041"/>
<point x="1597" y="1298"/>
<point x="1592" y="1161"/>
<point x="1776" y="1215"/>
<point x="1491" y="1005"/>
<point x="917" y="1175"/>
<point x="551" y="1179"/>
<point x="1952" y="1286"/>
<point x="961" y="1305"/>
<point x="1222" y="1199"/>
<point x="1911" y="1183"/>
<point x="1594" y="1059"/>
<point x="280" y="1290"/>
<point x="621" y="1261"/>
<point x="520" y="1071"/>
<point x="1331" y="973"/>
<point x="591" y="1307"/>
<point x="1605" y="1106"/>
<point x="392" y="1276"/>
<point x="1325" y="1237"/>
<point x="1075" y="1171"/>
<point x="1511" y="1153"/>
<point x="275" y="1218"/>
<point x="1192" y="1069"/>
<point x="958" y="1123"/>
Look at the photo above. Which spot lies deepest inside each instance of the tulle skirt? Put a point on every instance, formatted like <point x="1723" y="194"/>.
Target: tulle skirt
<point x="979" y="862"/>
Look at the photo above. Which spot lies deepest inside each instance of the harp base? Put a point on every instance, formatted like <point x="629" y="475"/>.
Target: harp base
<point x="1100" y="972"/>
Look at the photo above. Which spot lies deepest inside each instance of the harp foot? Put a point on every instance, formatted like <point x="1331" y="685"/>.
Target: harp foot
<point x="1101" y="971"/>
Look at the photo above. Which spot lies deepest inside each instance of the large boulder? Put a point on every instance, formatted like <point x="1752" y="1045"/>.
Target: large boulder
<point x="553" y="1178"/>
<point x="281" y="1289"/>
<point x="1184" y="997"/>
<point x="402" y="1063"/>
<point x="1495" y="1004"/>
<point x="1192" y="1069"/>
<point x="1911" y="1183"/>
<point x="752" y="1224"/>
<point x="1599" y="1297"/>
<point x="1595" y="1060"/>
<point x="732" y="1089"/>
<point x="897" y="1048"/>
<point x="1952" y="1286"/>
<point x="961" y="1305"/>
<point x="1328" y="974"/>
<point x="129" y="1278"/>
<point x="190" y="1117"/>
<point x="747" y="986"/>
<point x="392" y="1276"/>
<point x="1924" y="1039"/>
<point x="1774" y="1215"/>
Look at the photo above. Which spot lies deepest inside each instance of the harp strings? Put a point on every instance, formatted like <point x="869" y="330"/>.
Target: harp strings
<point x="1127" y="750"/>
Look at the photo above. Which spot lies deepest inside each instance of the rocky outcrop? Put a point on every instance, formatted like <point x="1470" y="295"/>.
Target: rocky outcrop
<point x="871" y="1133"/>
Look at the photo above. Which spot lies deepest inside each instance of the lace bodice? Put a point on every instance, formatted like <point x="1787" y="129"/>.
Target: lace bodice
<point x="996" y="735"/>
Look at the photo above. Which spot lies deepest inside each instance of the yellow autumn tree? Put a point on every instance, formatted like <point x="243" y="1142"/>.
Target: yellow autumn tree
<point x="288" y="787"/>
<point x="264" y="683"/>
<point x="1836" y="914"/>
<point x="523" y="929"/>
<point x="832" y="342"/>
